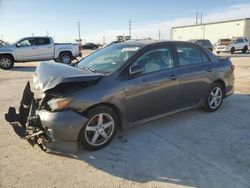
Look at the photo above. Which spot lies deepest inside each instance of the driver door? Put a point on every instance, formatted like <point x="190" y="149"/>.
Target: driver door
<point x="156" y="89"/>
<point x="26" y="50"/>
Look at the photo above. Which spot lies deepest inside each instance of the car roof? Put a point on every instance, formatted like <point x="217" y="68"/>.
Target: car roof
<point x="144" y="43"/>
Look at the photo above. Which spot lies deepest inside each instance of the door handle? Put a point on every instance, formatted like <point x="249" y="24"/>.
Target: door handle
<point x="173" y="77"/>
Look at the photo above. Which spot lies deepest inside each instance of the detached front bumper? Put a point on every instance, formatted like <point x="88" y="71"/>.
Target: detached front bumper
<point x="44" y="127"/>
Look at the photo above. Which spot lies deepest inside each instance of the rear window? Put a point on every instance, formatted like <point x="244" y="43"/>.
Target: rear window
<point x="202" y="42"/>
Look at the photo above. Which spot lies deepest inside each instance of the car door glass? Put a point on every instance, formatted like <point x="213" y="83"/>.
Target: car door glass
<point x="25" y="43"/>
<point x="42" y="41"/>
<point x="189" y="55"/>
<point x="155" y="60"/>
<point x="205" y="59"/>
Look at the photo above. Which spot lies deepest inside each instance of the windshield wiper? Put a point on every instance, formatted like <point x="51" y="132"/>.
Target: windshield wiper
<point x="88" y="69"/>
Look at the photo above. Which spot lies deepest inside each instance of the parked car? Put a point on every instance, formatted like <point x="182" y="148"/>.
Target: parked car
<point x="118" y="86"/>
<point x="90" y="46"/>
<point x="204" y="43"/>
<point x="37" y="49"/>
<point x="232" y="45"/>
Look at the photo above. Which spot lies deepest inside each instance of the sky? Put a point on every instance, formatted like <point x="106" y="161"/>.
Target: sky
<point x="109" y="18"/>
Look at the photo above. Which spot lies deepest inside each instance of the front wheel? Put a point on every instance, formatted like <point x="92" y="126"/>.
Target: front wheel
<point x="232" y="50"/>
<point x="65" y="58"/>
<point x="100" y="129"/>
<point x="214" y="98"/>
<point x="6" y="62"/>
<point x="244" y="50"/>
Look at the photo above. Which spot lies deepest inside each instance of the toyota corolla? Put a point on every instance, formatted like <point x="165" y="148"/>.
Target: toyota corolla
<point x="118" y="86"/>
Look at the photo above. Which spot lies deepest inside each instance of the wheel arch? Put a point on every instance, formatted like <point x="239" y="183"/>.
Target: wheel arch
<point x="8" y="54"/>
<point x="66" y="51"/>
<point x="109" y="105"/>
<point x="222" y="83"/>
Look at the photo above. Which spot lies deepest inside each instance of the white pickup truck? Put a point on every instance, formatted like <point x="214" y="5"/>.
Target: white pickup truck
<point x="232" y="45"/>
<point x="37" y="49"/>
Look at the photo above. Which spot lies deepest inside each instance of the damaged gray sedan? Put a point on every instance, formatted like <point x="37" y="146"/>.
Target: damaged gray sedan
<point x="118" y="86"/>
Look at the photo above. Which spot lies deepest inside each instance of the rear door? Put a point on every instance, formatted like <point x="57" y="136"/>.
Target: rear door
<point x="44" y="48"/>
<point x="197" y="73"/>
<point x="156" y="89"/>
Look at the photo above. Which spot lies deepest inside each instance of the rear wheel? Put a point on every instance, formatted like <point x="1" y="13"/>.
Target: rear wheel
<point x="214" y="98"/>
<point x="244" y="50"/>
<point x="65" y="58"/>
<point x="6" y="62"/>
<point x="100" y="129"/>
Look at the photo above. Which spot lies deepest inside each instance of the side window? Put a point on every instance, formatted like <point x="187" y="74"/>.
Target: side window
<point x="189" y="55"/>
<point x="25" y="43"/>
<point x="204" y="57"/>
<point x="42" y="41"/>
<point x="155" y="60"/>
<point x="246" y="40"/>
<point x="239" y="41"/>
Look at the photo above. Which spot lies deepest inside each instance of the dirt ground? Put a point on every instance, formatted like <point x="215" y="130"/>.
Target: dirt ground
<point x="189" y="149"/>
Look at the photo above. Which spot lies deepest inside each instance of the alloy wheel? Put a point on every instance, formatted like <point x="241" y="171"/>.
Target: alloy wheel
<point x="66" y="59"/>
<point x="99" y="129"/>
<point x="215" y="98"/>
<point x="5" y="62"/>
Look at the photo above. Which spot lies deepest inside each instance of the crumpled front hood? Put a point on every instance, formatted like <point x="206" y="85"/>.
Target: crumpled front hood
<point x="49" y="75"/>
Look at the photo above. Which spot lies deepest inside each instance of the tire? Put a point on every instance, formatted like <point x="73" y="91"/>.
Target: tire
<point x="92" y="136"/>
<point x="65" y="58"/>
<point x="210" y="106"/>
<point x="244" y="50"/>
<point x="6" y="62"/>
<point x="232" y="50"/>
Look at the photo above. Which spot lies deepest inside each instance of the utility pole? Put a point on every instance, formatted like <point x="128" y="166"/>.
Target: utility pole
<point x="79" y="31"/>
<point x="129" y="28"/>
<point x="159" y="34"/>
<point x="196" y="18"/>
<point x="47" y="33"/>
<point x="201" y="17"/>
<point x="103" y="40"/>
<point x="2" y="37"/>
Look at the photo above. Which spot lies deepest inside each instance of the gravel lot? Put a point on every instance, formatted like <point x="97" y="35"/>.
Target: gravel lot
<point x="189" y="149"/>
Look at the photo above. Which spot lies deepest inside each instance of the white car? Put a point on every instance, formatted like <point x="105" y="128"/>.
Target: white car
<point x="37" y="49"/>
<point x="232" y="45"/>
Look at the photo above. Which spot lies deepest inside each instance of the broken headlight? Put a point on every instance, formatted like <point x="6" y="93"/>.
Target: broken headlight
<point x="59" y="103"/>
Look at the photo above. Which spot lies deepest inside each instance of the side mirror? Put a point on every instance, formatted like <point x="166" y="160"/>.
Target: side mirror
<point x="18" y="45"/>
<point x="135" y="70"/>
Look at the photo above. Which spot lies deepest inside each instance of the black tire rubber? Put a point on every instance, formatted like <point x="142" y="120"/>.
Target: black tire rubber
<point x="90" y="114"/>
<point x="10" y="58"/>
<point x="206" y="106"/>
<point x="232" y="50"/>
<point x="65" y="54"/>
<point x="244" y="50"/>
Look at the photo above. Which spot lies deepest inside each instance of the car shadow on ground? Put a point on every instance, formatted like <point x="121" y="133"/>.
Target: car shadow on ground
<point x="23" y="69"/>
<point x="192" y="148"/>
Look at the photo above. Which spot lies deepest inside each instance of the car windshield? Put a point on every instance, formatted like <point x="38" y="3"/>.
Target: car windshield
<point x="109" y="59"/>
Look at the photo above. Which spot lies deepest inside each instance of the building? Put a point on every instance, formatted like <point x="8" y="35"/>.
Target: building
<point x="213" y="31"/>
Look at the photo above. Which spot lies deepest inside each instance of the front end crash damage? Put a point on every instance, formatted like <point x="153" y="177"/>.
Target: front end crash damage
<point x="43" y="127"/>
